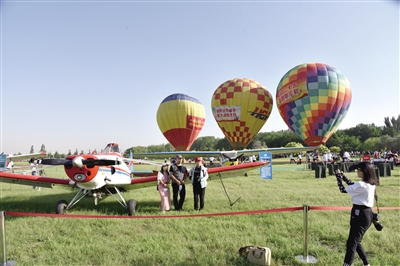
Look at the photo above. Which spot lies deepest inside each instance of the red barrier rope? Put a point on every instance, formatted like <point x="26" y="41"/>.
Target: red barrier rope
<point x="332" y="208"/>
<point x="315" y="208"/>
<point x="151" y="216"/>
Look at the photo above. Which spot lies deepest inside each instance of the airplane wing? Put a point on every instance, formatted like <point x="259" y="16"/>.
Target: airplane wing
<point x="27" y="156"/>
<point x="135" y="183"/>
<point x="32" y="180"/>
<point x="281" y="150"/>
<point x="232" y="154"/>
<point x="233" y="170"/>
<point x="213" y="174"/>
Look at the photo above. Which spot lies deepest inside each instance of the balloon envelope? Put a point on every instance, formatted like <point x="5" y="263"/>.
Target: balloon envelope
<point x="313" y="99"/>
<point x="180" y="118"/>
<point x="241" y="107"/>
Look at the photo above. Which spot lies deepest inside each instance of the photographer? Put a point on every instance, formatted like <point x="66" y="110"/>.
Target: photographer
<point x="362" y="195"/>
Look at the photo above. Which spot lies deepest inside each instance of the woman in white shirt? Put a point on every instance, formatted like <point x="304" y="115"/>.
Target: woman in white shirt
<point x="362" y="195"/>
<point x="163" y="188"/>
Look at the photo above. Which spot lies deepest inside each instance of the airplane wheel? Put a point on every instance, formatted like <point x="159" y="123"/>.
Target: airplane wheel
<point x="131" y="207"/>
<point x="61" y="206"/>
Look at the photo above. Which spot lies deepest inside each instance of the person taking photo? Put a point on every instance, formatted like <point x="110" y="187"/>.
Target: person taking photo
<point x="362" y="196"/>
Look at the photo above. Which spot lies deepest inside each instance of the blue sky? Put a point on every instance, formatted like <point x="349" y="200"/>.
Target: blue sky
<point x="80" y="74"/>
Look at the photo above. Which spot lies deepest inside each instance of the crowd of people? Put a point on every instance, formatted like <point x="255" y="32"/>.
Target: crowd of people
<point x="299" y="158"/>
<point x="346" y="156"/>
<point x="176" y="176"/>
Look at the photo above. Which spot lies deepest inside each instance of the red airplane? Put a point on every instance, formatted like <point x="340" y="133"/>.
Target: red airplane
<point x="106" y="173"/>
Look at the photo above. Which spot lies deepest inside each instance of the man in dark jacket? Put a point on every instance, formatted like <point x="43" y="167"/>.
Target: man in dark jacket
<point x="178" y="174"/>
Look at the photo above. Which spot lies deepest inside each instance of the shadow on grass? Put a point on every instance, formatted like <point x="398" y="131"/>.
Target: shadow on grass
<point x="46" y="203"/>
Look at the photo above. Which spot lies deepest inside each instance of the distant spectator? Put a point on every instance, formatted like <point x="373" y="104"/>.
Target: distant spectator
<point x="366" y="157"/>
<point x="325" y="157"/>
<point x="34" y="171"/>
<point x="346" y="156"/>
<point x="299" y="159"/>
<point x="291" y="158"/>
<point x="329" y="156"/>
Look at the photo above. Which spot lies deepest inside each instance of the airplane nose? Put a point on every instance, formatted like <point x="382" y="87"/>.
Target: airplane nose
<point x="77" y="162"/>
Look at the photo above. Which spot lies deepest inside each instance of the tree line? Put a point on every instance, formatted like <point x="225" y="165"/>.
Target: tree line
<point x="362" y="137"/>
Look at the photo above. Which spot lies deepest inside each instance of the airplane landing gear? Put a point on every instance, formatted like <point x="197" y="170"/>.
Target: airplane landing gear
<point x="61" y="207"/>
<point x="131" y="206"/>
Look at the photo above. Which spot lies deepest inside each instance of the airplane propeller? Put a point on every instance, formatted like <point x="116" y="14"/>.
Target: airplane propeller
<point x="79" y="162"/>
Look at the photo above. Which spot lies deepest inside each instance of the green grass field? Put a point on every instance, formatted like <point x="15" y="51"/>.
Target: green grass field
<point x="199" y="240"/>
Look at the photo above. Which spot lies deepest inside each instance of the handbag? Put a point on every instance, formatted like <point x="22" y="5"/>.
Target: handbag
<point x="257" y="255"/>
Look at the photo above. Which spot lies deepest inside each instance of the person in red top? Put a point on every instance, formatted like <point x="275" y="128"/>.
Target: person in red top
<point x="366" y="157"/>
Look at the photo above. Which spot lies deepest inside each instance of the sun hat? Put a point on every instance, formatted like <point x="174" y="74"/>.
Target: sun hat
<point x="362" y="166"/>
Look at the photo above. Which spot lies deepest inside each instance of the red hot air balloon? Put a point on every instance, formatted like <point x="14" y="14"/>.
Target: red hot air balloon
<point x="181" y="118"/>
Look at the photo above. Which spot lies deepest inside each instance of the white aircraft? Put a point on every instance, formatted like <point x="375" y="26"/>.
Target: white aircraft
<point x="106" y="173"/>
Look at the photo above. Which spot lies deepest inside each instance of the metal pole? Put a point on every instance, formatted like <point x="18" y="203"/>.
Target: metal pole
<point x="3" y="240"/>
<point x="305" y="227"/>
<point x="305" y="258"/>
<point x="4" y="261"/>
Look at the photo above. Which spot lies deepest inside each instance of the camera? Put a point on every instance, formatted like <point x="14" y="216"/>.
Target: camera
<point x="375" y="220"/>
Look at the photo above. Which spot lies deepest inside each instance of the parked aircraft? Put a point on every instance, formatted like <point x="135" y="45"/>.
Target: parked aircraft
<point x="224" y="156"/>
<point x="10" y="159"/>
<point x="26" y="156"/>
<point x="105" y="173"/>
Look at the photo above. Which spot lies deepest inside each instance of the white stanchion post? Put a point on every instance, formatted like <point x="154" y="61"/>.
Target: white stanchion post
<point x="4" y="261"/>
<point x="305" y="258"/>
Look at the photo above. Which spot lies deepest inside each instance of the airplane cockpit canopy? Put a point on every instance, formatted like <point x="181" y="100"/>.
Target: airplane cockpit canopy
<point x="112" y="147"/>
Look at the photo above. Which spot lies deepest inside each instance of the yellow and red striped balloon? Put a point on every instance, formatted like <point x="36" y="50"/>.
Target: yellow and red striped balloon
<point x="180" y="119"/>
<point x="241" y="107"/>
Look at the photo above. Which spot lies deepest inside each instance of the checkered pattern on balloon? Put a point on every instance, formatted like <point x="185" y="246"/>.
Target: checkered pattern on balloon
<point x="313" y="99"/>
<point x="241" y="107"/>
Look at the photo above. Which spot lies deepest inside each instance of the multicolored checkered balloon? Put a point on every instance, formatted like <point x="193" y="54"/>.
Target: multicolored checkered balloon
<point x="313" y="99"/>
<point x="241" y="107"/>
